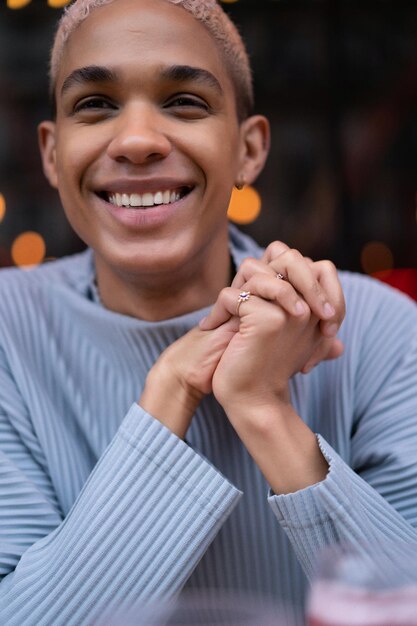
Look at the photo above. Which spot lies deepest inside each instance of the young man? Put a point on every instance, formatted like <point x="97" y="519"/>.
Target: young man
<point x="158" y="406"/>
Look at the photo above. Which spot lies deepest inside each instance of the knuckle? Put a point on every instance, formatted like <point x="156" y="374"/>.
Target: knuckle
<point x="295" y="255"/>
<point x="329" y="266"/>
<point x="224" y="294"/>
<point x="247" y="264"/>
<point x="315" y="288"/>
<point x="276" y="248"/>
<point x="326" y="265"/>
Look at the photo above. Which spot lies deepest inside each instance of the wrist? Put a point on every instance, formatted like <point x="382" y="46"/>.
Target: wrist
<point x="168" y="398"/>
<point x="281" y="444"/>
<point x="258" y="407"/>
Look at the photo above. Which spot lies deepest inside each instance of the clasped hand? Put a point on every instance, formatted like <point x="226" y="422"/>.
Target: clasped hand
<point x="247" y="357"/>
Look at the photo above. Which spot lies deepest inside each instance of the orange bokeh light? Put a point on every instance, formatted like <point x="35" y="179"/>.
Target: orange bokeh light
<point x="2" y="207"/>
<point x="245" y="205"/>
<point x="17" y="4"/>
<point x="57" y="4"/>
<point x="28" y="249"/>
<point x="376" y="257"/>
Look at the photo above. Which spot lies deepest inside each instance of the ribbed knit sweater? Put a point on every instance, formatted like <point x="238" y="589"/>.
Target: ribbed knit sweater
<point x="102" y="506"/>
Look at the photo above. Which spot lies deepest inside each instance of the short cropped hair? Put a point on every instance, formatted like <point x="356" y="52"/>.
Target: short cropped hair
<point x="208" y="12"/>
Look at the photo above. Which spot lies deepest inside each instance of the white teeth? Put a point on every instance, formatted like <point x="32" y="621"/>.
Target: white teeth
<point x="158" y="199"/>
<point x="135" y="200"/>
<point x="144" y="200"/>
<point x="148" y="199"/>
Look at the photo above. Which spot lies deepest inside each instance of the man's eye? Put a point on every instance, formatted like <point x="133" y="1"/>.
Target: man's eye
<point x="93" y="104"/>
<point x="188" y="101"/>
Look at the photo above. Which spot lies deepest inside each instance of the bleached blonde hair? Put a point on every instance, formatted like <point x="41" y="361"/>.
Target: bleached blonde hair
<point x="208" y="12"/>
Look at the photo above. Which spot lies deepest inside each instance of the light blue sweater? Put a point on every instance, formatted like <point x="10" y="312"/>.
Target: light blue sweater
<point x="101" y="505"/>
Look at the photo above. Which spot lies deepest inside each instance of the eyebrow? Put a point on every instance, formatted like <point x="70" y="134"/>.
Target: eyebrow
<point x="184" y="73"/>
<point x="88" y="74"/>
<point x="174" y="73"/>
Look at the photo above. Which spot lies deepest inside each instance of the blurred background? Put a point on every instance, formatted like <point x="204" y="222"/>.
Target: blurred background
<point x="337" y="79"/>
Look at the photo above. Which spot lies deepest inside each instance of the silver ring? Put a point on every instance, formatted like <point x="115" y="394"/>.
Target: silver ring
<point x="243" y="297"/>
<point x="281" y="276"/>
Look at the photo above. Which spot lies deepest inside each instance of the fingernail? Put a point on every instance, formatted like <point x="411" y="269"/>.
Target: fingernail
<point x="299" y="307"/>
<point x="331" y="329"/>
<point x="329" y="311"/>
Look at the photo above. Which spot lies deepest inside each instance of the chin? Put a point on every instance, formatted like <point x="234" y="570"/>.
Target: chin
<point x="149" y="262"/>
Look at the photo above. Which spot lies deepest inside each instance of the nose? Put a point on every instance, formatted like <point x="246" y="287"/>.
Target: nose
<point x="139" y="136"/>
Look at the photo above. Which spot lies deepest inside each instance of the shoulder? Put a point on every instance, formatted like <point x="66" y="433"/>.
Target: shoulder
<point x="22" y="291"/>
<point x="380" y="327"/>
<point x="71" y="270"/>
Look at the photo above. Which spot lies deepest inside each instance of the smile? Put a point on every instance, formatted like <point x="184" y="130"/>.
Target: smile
<point x="138" y="200"/>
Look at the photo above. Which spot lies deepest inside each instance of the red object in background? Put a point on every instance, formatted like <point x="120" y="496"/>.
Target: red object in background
<point x="404" y="279"/>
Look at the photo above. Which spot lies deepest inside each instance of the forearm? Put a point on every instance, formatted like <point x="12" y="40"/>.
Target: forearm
<point x="142" y="522"/>
<point x="343" y="508"/>
<point x="281" y="444"/>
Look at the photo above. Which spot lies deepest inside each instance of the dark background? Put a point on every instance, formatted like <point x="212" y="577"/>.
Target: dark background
<point x="338" y="80"/>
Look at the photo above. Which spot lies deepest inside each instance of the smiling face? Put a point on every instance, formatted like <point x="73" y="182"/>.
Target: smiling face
<point x="146" y="146"/>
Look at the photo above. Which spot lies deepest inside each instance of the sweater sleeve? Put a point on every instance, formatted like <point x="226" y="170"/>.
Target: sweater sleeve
<point x="369" y="496"/>
<point x="143" y="520"/>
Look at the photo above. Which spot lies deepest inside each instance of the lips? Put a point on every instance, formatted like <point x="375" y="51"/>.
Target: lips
<point x="147" y="199"/>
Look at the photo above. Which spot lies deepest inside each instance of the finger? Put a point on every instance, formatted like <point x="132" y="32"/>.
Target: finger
<point x="281" y="292"/>
<point x="222" y="311"/>
<point x="327" y="276"/>
<point x="301" y="274"/>
<point x="234" y="302"/>
<point x="263" y="289"/>
<point x="248" y="268"/>
<point x="329" y="349"/>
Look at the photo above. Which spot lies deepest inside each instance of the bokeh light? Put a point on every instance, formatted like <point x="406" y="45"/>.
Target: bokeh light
<point x="2" y="207"/>
<point x="376" y="256"/>
<point x="245" y="205"/>
<point x="57" y="4"/>
<point x="28" y="249"/>
<point x="17" y="4"/>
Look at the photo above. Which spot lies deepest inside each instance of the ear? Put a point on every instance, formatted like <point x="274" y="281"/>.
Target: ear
<point x="47" y="146"/>
<point x="254" y="147"/>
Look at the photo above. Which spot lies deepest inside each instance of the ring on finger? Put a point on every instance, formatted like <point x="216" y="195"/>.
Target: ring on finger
<point x="281" y="276"/>
<point x="243" y="297"/>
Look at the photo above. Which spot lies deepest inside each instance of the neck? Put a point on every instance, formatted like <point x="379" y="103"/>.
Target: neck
<point x="164" y="295"/>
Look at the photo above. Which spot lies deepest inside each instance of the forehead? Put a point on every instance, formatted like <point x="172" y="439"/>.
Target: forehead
<point x="134" y="35"/>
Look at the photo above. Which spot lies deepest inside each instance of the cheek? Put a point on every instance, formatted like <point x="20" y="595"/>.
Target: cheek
<point x="213" y="146"/>
<point x="219" y="161"/>
<point x="75" y="153"/>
